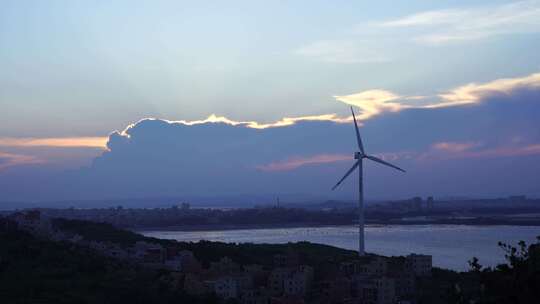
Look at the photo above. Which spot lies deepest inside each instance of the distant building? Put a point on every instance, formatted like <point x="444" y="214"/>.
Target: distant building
<point x="416" y="204"/>
<point x="430" y="203"/>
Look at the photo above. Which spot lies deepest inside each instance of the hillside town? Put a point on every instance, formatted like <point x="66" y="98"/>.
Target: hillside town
<point x="285" y="279"/>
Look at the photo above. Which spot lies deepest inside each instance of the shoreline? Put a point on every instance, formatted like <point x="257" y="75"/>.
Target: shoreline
<point x="220" y="227"/>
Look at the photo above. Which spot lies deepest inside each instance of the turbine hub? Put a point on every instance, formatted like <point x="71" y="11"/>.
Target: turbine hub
<point x="358" y="155"/>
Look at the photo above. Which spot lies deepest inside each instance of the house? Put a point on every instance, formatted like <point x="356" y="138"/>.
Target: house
<point x="298" y="282"/>
<point x="375" y="266"/>
<point x="404" y="277"/>
<point x="420" y="264"/>
<point x="291" y="281"/>
<point x="232" y="286"/>
<point x="375" y="290"/>
<point x="276" y="280"/>
<point x="334" y="289"/>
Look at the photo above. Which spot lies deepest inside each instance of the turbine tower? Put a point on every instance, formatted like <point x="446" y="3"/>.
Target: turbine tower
<point x="359" y="156"/>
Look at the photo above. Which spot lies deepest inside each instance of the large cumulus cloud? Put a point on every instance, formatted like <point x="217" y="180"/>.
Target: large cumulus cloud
<point x="486" y="141"/>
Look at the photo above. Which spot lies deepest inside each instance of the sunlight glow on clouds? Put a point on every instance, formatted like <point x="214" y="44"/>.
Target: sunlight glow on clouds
<point x="60" y="142"/>
<point x="213" y="118"/>
<point x="454" y="146"/>
<point x="375" y="102"/>
<point x="455" y="150"/>
<point x="474" y="93"/>
<point x="370" y="103"/>
<point x="10" y="160"/>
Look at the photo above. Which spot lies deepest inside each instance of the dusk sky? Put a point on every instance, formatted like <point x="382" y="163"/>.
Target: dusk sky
<point x="132" y="99"/>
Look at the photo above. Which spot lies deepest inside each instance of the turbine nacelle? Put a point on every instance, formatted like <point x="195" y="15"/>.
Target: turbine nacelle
<point x="359" y="155"/>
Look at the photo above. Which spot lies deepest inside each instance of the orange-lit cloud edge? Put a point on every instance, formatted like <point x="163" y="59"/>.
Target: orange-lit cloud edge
<point x="59" y="142"/>
<point x="371" y="103"/>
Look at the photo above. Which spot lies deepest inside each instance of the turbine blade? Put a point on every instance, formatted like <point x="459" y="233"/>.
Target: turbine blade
<point x="358" y="138"/>
<point x="376" y="159"/>
<point x="346" y="174"/>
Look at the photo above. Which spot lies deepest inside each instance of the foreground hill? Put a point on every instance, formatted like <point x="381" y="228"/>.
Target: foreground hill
<point x="34" y="269"/>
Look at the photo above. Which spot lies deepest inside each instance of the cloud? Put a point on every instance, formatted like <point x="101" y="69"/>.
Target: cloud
<point x="60" y="142"/>
<point x="453" y="25"/>
<point x="454" y="146"/>
<point x="10" y="160"/>
<point x="526" y="150"/>
<point x="456" y="150"/>
<point x="377" y="40"/>
<point x="475" y="93"/>
<point x="286" y="121"/>
<point x="376" y="102"/>
<point x="443" y="143"/>
<point x="373" y="102"/>
<point x="296" y="162"/>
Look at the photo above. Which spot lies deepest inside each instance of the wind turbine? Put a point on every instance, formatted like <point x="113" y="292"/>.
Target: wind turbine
<point x="359" y="156"/>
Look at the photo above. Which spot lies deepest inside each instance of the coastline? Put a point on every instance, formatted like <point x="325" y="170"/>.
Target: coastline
<point x="221" y="227"/>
